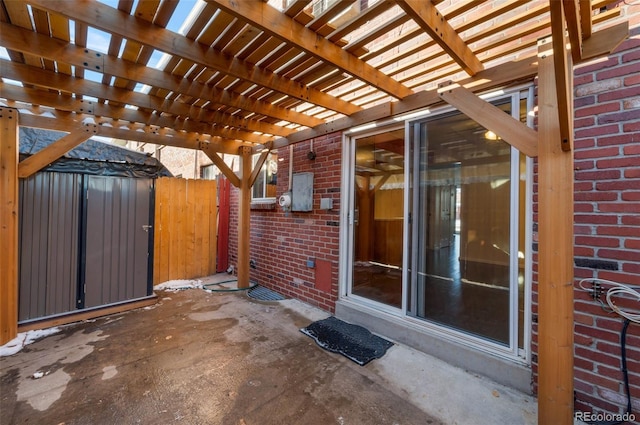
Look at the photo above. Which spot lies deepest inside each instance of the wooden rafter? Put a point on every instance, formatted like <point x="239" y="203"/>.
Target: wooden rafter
<point x="115" y="22"/>
<point x="195" y="105"/>
<point x="258" y="166"/>
<point x="222" y="166"/>
<point x="80" y="40"/>
<point x="509" y="129"/>
<point x="428" y="45"/>
<point x="604" y="41"/>
<point x="432" y="22"/>
<point x="586" y="25"/>
<point x="62" y="121"/>
<point x="367" y="14"/>
<point x="296" y="7"/>
<point x="331" y="12"/>
<point x="155" y="12"/>
<point x="18" y="14"/>
<point x="19" y="39"/>
<point x="55" y="150"/>
<point x="89" y="88"/>
<point x="101" y="110"/>
<point x="359" y="43"/>
<point x="563" y="91"/>
<point x="500" y="75"/>
<point x="116" y="41"/>
<point x="574" y="28"/>
<point x="270" y="20"/>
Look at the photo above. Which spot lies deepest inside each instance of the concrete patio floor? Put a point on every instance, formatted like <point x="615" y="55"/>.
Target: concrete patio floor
<point x="224" y="358"/>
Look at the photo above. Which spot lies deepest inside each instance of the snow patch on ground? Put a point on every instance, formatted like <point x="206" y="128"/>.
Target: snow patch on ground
<point x="178" y="285"/>
<point x="25" y="338"/>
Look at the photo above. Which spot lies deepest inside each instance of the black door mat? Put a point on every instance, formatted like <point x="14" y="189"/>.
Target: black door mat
<point x="352" y="341"/>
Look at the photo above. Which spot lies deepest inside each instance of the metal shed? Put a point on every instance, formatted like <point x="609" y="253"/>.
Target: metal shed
<point x="85" y="239"/>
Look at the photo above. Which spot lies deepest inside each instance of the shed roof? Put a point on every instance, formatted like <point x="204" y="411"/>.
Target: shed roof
<point x="92" y="156"/>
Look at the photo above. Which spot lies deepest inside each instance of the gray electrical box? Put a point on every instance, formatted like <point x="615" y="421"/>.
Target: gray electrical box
<point x="326" y="203"/>
<point x="302" y="192"/>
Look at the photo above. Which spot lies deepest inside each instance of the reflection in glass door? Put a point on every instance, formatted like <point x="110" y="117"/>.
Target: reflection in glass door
<point x="462" y="231"/>
<point x="378" y="196"/>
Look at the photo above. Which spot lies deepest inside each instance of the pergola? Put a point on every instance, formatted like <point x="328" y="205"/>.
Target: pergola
<point x="246" y="77"/>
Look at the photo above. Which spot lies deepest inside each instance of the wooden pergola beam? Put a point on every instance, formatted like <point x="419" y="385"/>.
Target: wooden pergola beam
<point x="9" y="224"/>
<point x="49" y="79"/>
<point x="270" y="20"/>
<point x="509" y="129"/>
<point x="328" y="14"/>
<point x="561" y="73"/>
<point x="118" y="113"/>
<point x="222" y="166"/>
<point x="55" y="150"/>
<point x="605" y="41"/>
<point x="586" y="24"/>
<point x="129" y="27"/>
<point x="425" y="14"/>
<point x="258" y="166"/>
<point x="574" y="28"/>
<point x="555" y="246"/>
<point x="360" y="19"/>
<point x="22" y="40"/>
<point x="65" y="120"/>
<point x="510" y="72"/>
<point x="296" y="7"/>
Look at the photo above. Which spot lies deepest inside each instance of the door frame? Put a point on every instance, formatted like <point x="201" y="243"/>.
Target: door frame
<point x="514" y="353"/>
<point x="83" y="273"/>
<point x="347" y="220"/>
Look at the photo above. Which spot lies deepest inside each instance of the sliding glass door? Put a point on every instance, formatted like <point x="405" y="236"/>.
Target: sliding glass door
<point x="465" y="239"/>
<point x="435" y="226"/>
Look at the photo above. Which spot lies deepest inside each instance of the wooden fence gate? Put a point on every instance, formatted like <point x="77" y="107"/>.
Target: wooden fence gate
<point x="185" y="229"/>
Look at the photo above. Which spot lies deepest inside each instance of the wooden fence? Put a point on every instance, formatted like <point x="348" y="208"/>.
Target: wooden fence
<point x="185" y="229"/>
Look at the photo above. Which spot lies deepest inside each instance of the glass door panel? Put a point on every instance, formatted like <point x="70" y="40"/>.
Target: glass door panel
<point x="378" y="196"/>
<point x="461" y="177"/>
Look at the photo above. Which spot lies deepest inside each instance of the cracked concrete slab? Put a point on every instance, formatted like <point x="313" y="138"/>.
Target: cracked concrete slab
<point x="224" y="358"/>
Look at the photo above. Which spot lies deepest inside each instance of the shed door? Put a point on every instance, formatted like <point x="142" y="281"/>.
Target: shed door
<point x="49" y="222"/>
<point x="118" y="232"/>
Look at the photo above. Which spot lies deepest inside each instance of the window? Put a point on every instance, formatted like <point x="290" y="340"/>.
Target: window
<point x="264" y="189"/>
<point x="209" y="172"/>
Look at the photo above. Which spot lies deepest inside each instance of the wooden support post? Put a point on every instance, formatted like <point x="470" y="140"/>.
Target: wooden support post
<point x="224" y="212"/>
<point x="8" y="224"/>
<point x="244" y="217"/>
<point x="555" y="216"/>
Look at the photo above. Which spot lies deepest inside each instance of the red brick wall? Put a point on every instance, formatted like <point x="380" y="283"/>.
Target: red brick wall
<point x="607" y="224"/>
<point x="182" y="162"/>
<point x="282" y="243"/>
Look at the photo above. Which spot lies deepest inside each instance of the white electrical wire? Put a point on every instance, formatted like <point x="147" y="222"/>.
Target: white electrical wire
<point x="616" y="290"/>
